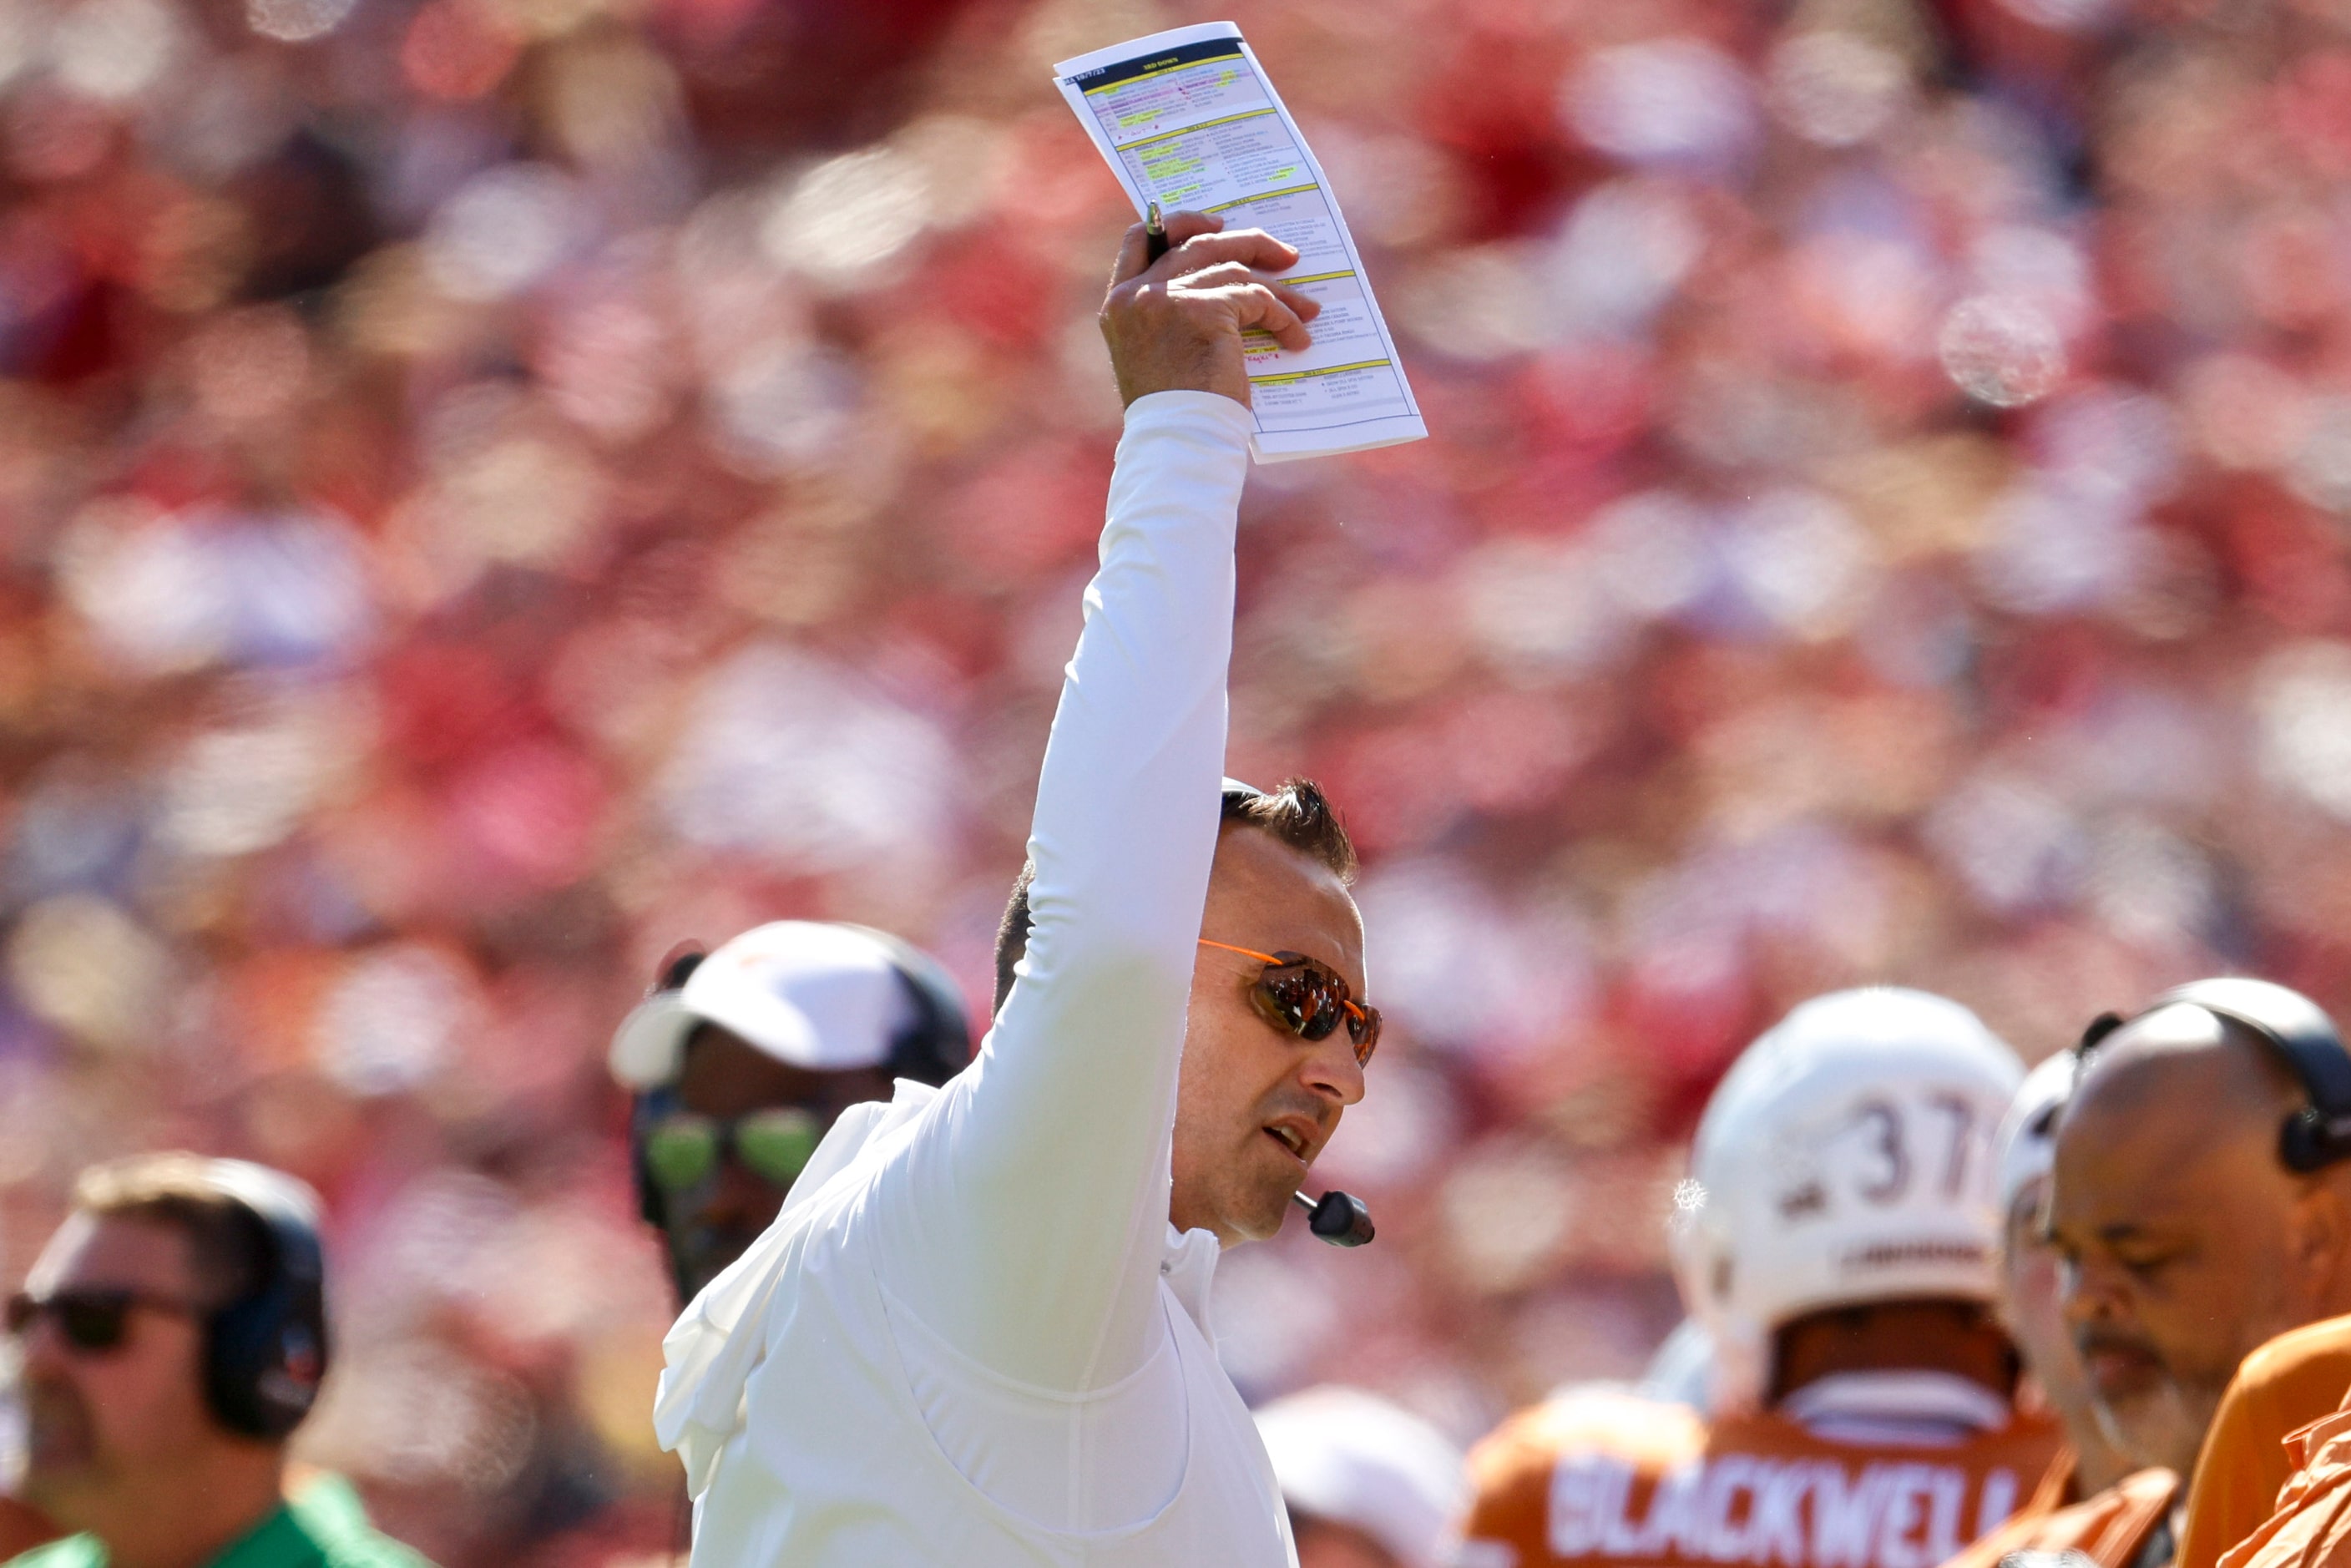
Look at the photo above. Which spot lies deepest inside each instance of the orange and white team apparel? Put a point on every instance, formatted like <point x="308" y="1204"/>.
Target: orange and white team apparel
<point x="1595" y="1478"/>
<point x="2312" y="1526"/>
<point x="1842" y="1165"/>
<point x="2250" y="1457"/>
<point x="2125" y="1526"/>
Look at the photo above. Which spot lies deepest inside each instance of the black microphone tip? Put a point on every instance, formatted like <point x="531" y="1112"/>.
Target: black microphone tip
<point x="1340" y="1218"/>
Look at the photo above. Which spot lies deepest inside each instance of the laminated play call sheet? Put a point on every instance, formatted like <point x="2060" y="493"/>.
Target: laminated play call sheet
<point x="1187" y="119"/>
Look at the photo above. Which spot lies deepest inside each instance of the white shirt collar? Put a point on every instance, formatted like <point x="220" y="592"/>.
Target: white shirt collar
<point x="1189" y="1265"/>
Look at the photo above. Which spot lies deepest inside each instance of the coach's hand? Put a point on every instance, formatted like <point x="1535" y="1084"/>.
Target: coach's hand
<point x="1176" y="325"/>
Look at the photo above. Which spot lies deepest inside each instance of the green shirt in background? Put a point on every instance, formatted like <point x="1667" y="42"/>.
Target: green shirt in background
<point x="324" y="1527"/>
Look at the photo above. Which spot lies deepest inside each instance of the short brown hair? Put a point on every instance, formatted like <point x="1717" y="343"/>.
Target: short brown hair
<point x="228" y="1244"/>
<point x="1297" y="812"/>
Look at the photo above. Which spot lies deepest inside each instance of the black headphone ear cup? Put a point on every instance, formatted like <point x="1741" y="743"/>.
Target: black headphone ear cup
<point x="226" y="1387"/>
<point x="265" y="1352"/>
<point x="283" y="1371"/>
<point x="2295" y="1150"/>
<point x="263" y="1362"/>
<point x="2305" y="1042"/>
<point x="2303" y="1145"/>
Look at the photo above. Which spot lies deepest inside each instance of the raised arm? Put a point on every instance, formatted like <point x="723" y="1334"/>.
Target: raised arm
<point x="1029" y="1230"/>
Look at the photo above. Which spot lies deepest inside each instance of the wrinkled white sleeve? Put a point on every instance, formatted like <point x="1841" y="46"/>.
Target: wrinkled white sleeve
<point x="1033" y="1213"/>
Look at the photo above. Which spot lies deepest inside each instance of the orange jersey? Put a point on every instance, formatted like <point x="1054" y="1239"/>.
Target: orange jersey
<point x="2112" y="1528"/>
<point x="2312" y="1526"/>
<point x="2295" y="1379"/>
<point x="1617" y="1479"/>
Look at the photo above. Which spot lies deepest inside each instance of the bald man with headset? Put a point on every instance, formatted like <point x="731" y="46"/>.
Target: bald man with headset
<point x="2200" y="1200"/>
<point x="173" y="1335"/>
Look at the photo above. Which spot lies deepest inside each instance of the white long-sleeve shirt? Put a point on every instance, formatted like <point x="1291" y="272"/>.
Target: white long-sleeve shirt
<point x="972" y="1337"/>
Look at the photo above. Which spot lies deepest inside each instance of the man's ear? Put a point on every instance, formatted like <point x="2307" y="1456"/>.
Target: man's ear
<point x="2321" y="1244"/>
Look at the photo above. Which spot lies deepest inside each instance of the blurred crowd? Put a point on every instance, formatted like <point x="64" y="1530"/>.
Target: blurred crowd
<point x="489" y="488"/>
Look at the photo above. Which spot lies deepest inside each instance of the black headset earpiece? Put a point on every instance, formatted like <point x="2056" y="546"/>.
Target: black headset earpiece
<point x="2304" y="1039"/>
<point x="265" y="1352"/>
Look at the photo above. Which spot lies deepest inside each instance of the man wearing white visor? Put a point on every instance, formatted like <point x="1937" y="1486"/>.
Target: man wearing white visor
<point x="978" y="1333"/>
<point x="740" y="1061"/>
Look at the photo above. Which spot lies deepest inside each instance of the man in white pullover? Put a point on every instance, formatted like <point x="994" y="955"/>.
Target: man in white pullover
<point x="978" y="1333"/>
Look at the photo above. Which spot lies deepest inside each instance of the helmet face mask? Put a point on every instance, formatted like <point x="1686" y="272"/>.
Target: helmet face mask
<point x="1845" y="1159"/>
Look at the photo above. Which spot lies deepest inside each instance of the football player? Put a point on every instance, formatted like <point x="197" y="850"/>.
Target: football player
<point x="1837" y="1241"/>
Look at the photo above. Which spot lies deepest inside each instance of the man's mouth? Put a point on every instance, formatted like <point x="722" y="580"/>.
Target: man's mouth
<point x="1292" y="1141"/>
<point x="57" y="1435"/>
<point x="2116" y="1368"/>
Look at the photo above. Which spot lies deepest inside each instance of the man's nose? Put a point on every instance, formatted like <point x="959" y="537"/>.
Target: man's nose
<point x="740" y="1196"/>
<point x="1331" y="1069"/>
<point x="42" y="1350"/>
<point x="2088" y="1294"/>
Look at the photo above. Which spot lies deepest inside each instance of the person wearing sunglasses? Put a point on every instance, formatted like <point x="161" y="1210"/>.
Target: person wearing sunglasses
<point x="980" y="1329"/>
<point x="171" y="1336"/>
<point x="738" y="1062"/>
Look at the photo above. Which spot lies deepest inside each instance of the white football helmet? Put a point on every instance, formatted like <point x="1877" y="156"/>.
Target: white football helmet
<point x="1845" y="1158"/>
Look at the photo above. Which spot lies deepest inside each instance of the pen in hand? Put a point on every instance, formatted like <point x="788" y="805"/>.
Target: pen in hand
<point x="1155" y="235"/>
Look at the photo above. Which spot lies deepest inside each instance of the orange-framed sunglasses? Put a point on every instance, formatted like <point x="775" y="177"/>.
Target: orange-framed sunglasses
<point x="1307" y="997"/>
